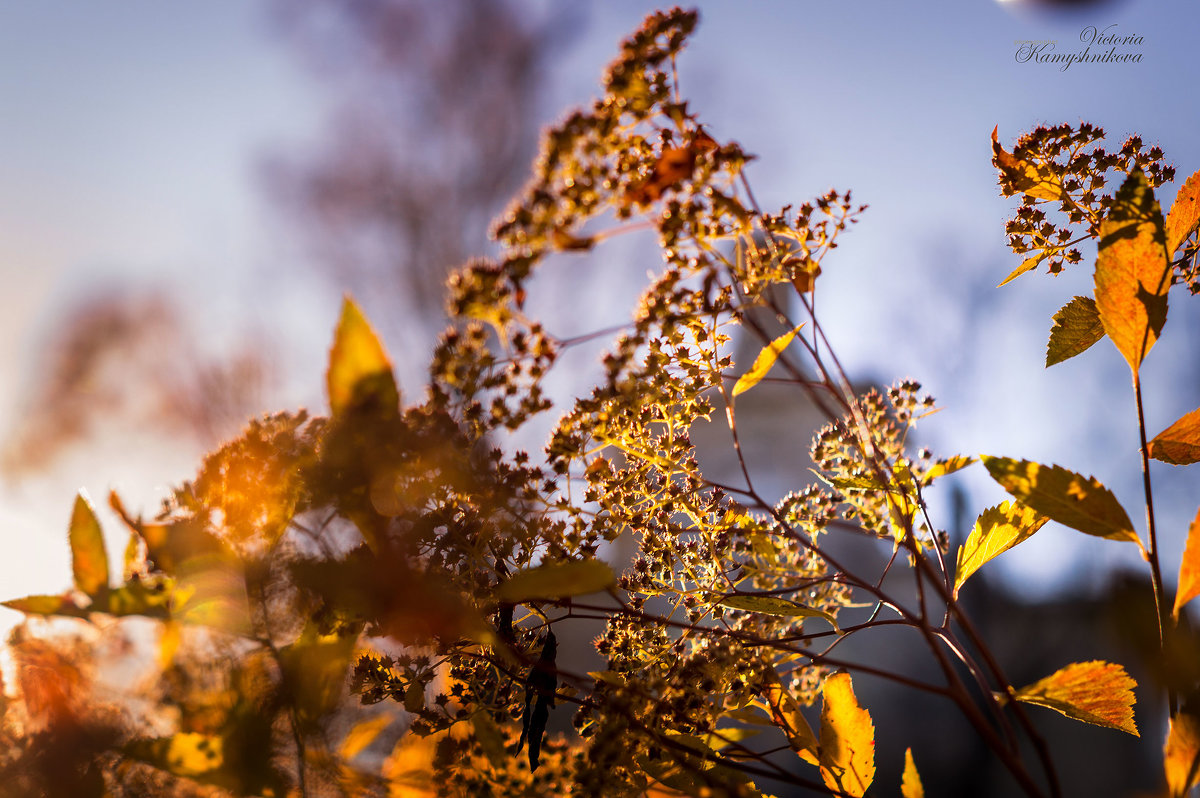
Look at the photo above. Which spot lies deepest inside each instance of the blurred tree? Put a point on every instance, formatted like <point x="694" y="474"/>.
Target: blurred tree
<point x="436" y="119"/>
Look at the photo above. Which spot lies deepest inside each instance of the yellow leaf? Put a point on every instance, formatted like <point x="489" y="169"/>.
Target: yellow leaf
<point x="359" y="369"/>
<point x="774" y="605"/>
<point x="847" y="738"/>
<point x="1189" y="567"/>
<point x="1029" y="264"/>
<point x="89" y="560"/>
<point x="785" y="711"/>
<point x="763" y="363"/>
<point x="1185" y="214"/>
<point x="1071" y="499"/>
<point x="910" y="784"/>
<point x="1181" y="754"/>
<point x="947" y="466"/>
<point x="1099" y="693"/>
<point x="168" y="643"/>
<point x="1178" y="444"/>
<point x="557" y="580"/>
<point x="191" y="754"/>
<point x="1133" y="271"/>
<point x="408" y="770"/>
<point x="363" y="734"/>
<point x="1077" y="326"/>
<point x="996" y="531"/>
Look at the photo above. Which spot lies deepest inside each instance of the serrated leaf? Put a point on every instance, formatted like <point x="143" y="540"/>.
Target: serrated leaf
<point x="785" y="712"/>
<point x="1024" y="176"/>
<point x="1181" y="754"/>
<point x="996" y="531"/>
<point x="557" y="580"/>
<point x="46" y="605"/>
<point x="1071" y="499"/>
<point x="1184" y="215"/>
<point x="948" y="466"/>
<point x="360" y="372"/>
<point x="1189" y="567"/>
<point x="763" y="363"/>
<point x="774" y="605"/>
<point x="1178" y="444"/>
<point x="1133" y="272"/>
<point x="89" y="559"/>
<point x="910" y="784"/>
<point x="363" y="734"/>
<point x="1029" y="264"/>
<point x="847" y="738"/>
<point x="1076" y="327"/>
<point x="1100" y="693"/>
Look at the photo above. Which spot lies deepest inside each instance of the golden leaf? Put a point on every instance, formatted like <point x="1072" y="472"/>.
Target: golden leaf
<point x="408" y="770"/>
<point x="996" y="531"/>
<point x="89" y="559"/>
<point x="1133" y="271"/>
<point x="1100" y="693"/>
<point x="910" y="785"/>
<point x="1184" y="215"/>
<point x="1181" y="754"/>
<point x="1189" y="567"/>
<point x="847" y="738"/>
<point x="1076" y="327"/>
<point x="774" y="605"/>
<point x="363" y="734"/>
<point x="557" y="580"/>
<point x="1071" y="499"/>
<point x="947" y="466"/>
<point x="785" y="711"/>
<point x="1029" y="264"/>
<point x="1178" y="444"/>
<point x="359" y="369"/>
<point x="763" y="363"/>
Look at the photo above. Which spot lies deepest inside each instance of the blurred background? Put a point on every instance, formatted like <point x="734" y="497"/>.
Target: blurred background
<point x="186" y="191"/>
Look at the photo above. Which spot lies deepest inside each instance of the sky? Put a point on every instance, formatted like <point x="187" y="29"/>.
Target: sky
<point x="132" y="135"/>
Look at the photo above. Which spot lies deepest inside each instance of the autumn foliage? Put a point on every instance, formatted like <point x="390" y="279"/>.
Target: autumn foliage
<point x="374" y="602"/>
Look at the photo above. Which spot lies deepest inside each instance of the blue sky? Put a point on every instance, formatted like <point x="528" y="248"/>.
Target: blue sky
<point x="130" y="135"/>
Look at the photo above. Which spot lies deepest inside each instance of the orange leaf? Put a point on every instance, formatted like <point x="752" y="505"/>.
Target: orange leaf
<point x="359" y="369"/>
<point x="1185" y="214"/>
<point x="1178" y="444"/>
<point x="910" y="784"/>
<point x="1133" y="272"/>
<point x="1189" y="567"/>
<point x="89" y="560"/>
<point x="847" y="738"/>
<point x="1023" y="176"/>
<point x="1181" y="754"/>
<point x="1099" y="693"/>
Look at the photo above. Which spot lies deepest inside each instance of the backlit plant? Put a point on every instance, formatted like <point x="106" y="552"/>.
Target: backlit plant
<point x="399" y="547"/>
